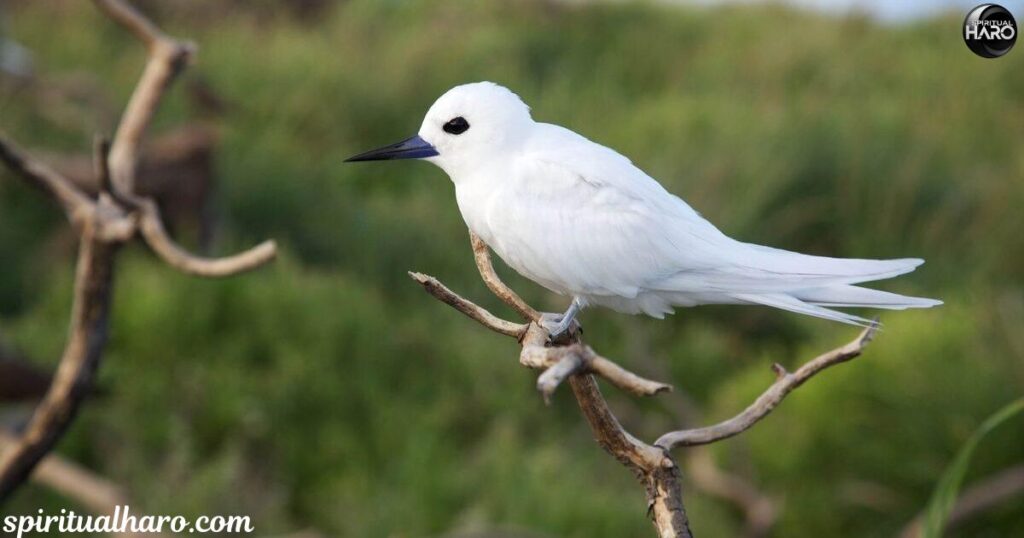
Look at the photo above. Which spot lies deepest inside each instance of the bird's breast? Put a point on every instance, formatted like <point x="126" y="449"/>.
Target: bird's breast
<point x="504" y="219"/>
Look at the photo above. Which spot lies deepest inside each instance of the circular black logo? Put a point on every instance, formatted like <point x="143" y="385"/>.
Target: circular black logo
<point x="990" y="30"/>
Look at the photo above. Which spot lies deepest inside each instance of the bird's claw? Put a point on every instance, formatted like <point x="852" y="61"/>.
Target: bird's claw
<point x="558" y="326"/>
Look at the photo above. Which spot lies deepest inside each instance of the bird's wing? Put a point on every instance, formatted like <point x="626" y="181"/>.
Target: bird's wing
<point x="597" y="220"/>
<point x="595" y="224"/>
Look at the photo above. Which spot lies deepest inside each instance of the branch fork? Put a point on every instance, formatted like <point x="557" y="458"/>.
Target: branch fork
<point x="573" y="361"/>
<point x="104" y="223"/>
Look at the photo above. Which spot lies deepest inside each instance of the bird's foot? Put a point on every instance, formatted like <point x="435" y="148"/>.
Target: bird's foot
<point x="559" y="326"/>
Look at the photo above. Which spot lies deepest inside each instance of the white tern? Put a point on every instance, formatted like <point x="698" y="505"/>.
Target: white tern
<point x="583" y="221"/>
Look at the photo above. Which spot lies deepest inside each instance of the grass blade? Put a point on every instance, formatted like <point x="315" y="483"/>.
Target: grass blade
<point x="945" y="494"/>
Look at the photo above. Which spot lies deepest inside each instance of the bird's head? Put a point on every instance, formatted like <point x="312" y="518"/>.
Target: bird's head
<point x="468" y="125"/>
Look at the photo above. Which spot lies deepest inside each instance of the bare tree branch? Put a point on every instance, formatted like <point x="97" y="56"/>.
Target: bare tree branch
<point x="167" y="56"/>
<point x="127" y="16"/>
<point x="152" y="229"/>
<point x="653" y="466"/>
<point x="482" y="256"/>
<point x="471" y="310"/>
<point x="70" y="198"/>
<point x="71" y="383"/>
<point x="70" y="479"/>
<point x="93" y="492"/>
<point x="562" y="362"/>
<point x="578" y="363"/>
<point x="770" y="398"/>
<point x="117" y="215"/>
<point x="760" y="509"/>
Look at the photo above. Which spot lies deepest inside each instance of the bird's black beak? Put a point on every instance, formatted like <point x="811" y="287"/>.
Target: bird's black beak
<point x="410" y="148"/>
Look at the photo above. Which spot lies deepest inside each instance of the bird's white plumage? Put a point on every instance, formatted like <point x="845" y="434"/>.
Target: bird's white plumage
<point x="581" y="220"/>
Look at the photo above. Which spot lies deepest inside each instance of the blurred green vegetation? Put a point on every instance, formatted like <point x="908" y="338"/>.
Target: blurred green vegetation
<point x="329" y="392"/>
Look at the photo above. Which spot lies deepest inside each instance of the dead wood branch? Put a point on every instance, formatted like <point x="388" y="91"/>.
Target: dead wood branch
<point x="176" y="170"/>
<point x="578" y="363"/>
<point x="771" y="398"/>
<point x="70" y="198"/>
<point x="94" y="493"/>
<point x="760" y="509"/>
<point x="152" y="229"/>
<point x="482" y="256"/>
<point x="73" y="379"/>
<point x="115" y="216"/>
<point x="167" y="57"/>
<point x="559" y="363"/>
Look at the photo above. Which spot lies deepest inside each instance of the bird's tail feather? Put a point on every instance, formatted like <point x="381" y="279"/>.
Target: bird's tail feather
<point x="812" y="302"/>
<point x="779" y="265"/>
<point x="792" y="304"/>
<point x="857" y="296"/>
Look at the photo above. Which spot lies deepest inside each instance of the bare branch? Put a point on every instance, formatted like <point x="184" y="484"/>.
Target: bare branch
<point x="769" y="399"/>
<point x="127" y="16"/>
<point x="482" y="256"/>
<point x="167" y="56"/>
<point x="104" y="224"/>
<point x="622" y="378"/>
<point x="152" y="229"/>
<point x="82" y="353"/>
<point x="760" y="509"/>
<point x="71" y="199"/>
<point x="653" y="466"/>
<point x="561" y="362"/>
<point x="471" y="310"/>
<point x="570" y="359"/>
<point x="95" y="493"/>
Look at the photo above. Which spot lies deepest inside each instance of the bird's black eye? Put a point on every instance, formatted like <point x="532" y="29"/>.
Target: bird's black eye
<point x="456" y="126"/>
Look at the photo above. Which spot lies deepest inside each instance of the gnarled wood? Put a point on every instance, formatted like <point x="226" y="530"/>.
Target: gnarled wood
<point x="104" y="223"/>
<point x="87" y="337"/>
<point x="576" y="362"/>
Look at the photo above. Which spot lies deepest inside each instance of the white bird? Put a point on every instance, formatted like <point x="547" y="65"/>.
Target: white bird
<point x="583" y="221"/>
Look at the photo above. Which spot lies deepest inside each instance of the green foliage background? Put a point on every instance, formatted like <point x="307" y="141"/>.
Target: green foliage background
<point x="329" y="392"/>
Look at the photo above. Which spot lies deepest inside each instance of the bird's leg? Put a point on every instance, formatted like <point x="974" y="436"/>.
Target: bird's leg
<point x="557" y="324"/>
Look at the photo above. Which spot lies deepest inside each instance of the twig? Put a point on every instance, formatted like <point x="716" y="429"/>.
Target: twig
<point x="167" y="56"/>
<point x="559" y="363"/>
<point x="471" y="310"/>
<point x="152" y="229"/>
<point x="760" y="509"/>
<point x="70" y="198"/>
<point x="482" y="256"/>
<point x="127" y="16"/>
<point x="769" y="399"/>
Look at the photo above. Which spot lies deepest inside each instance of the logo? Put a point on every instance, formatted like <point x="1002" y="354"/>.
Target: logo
<point x="990" y="30"/>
